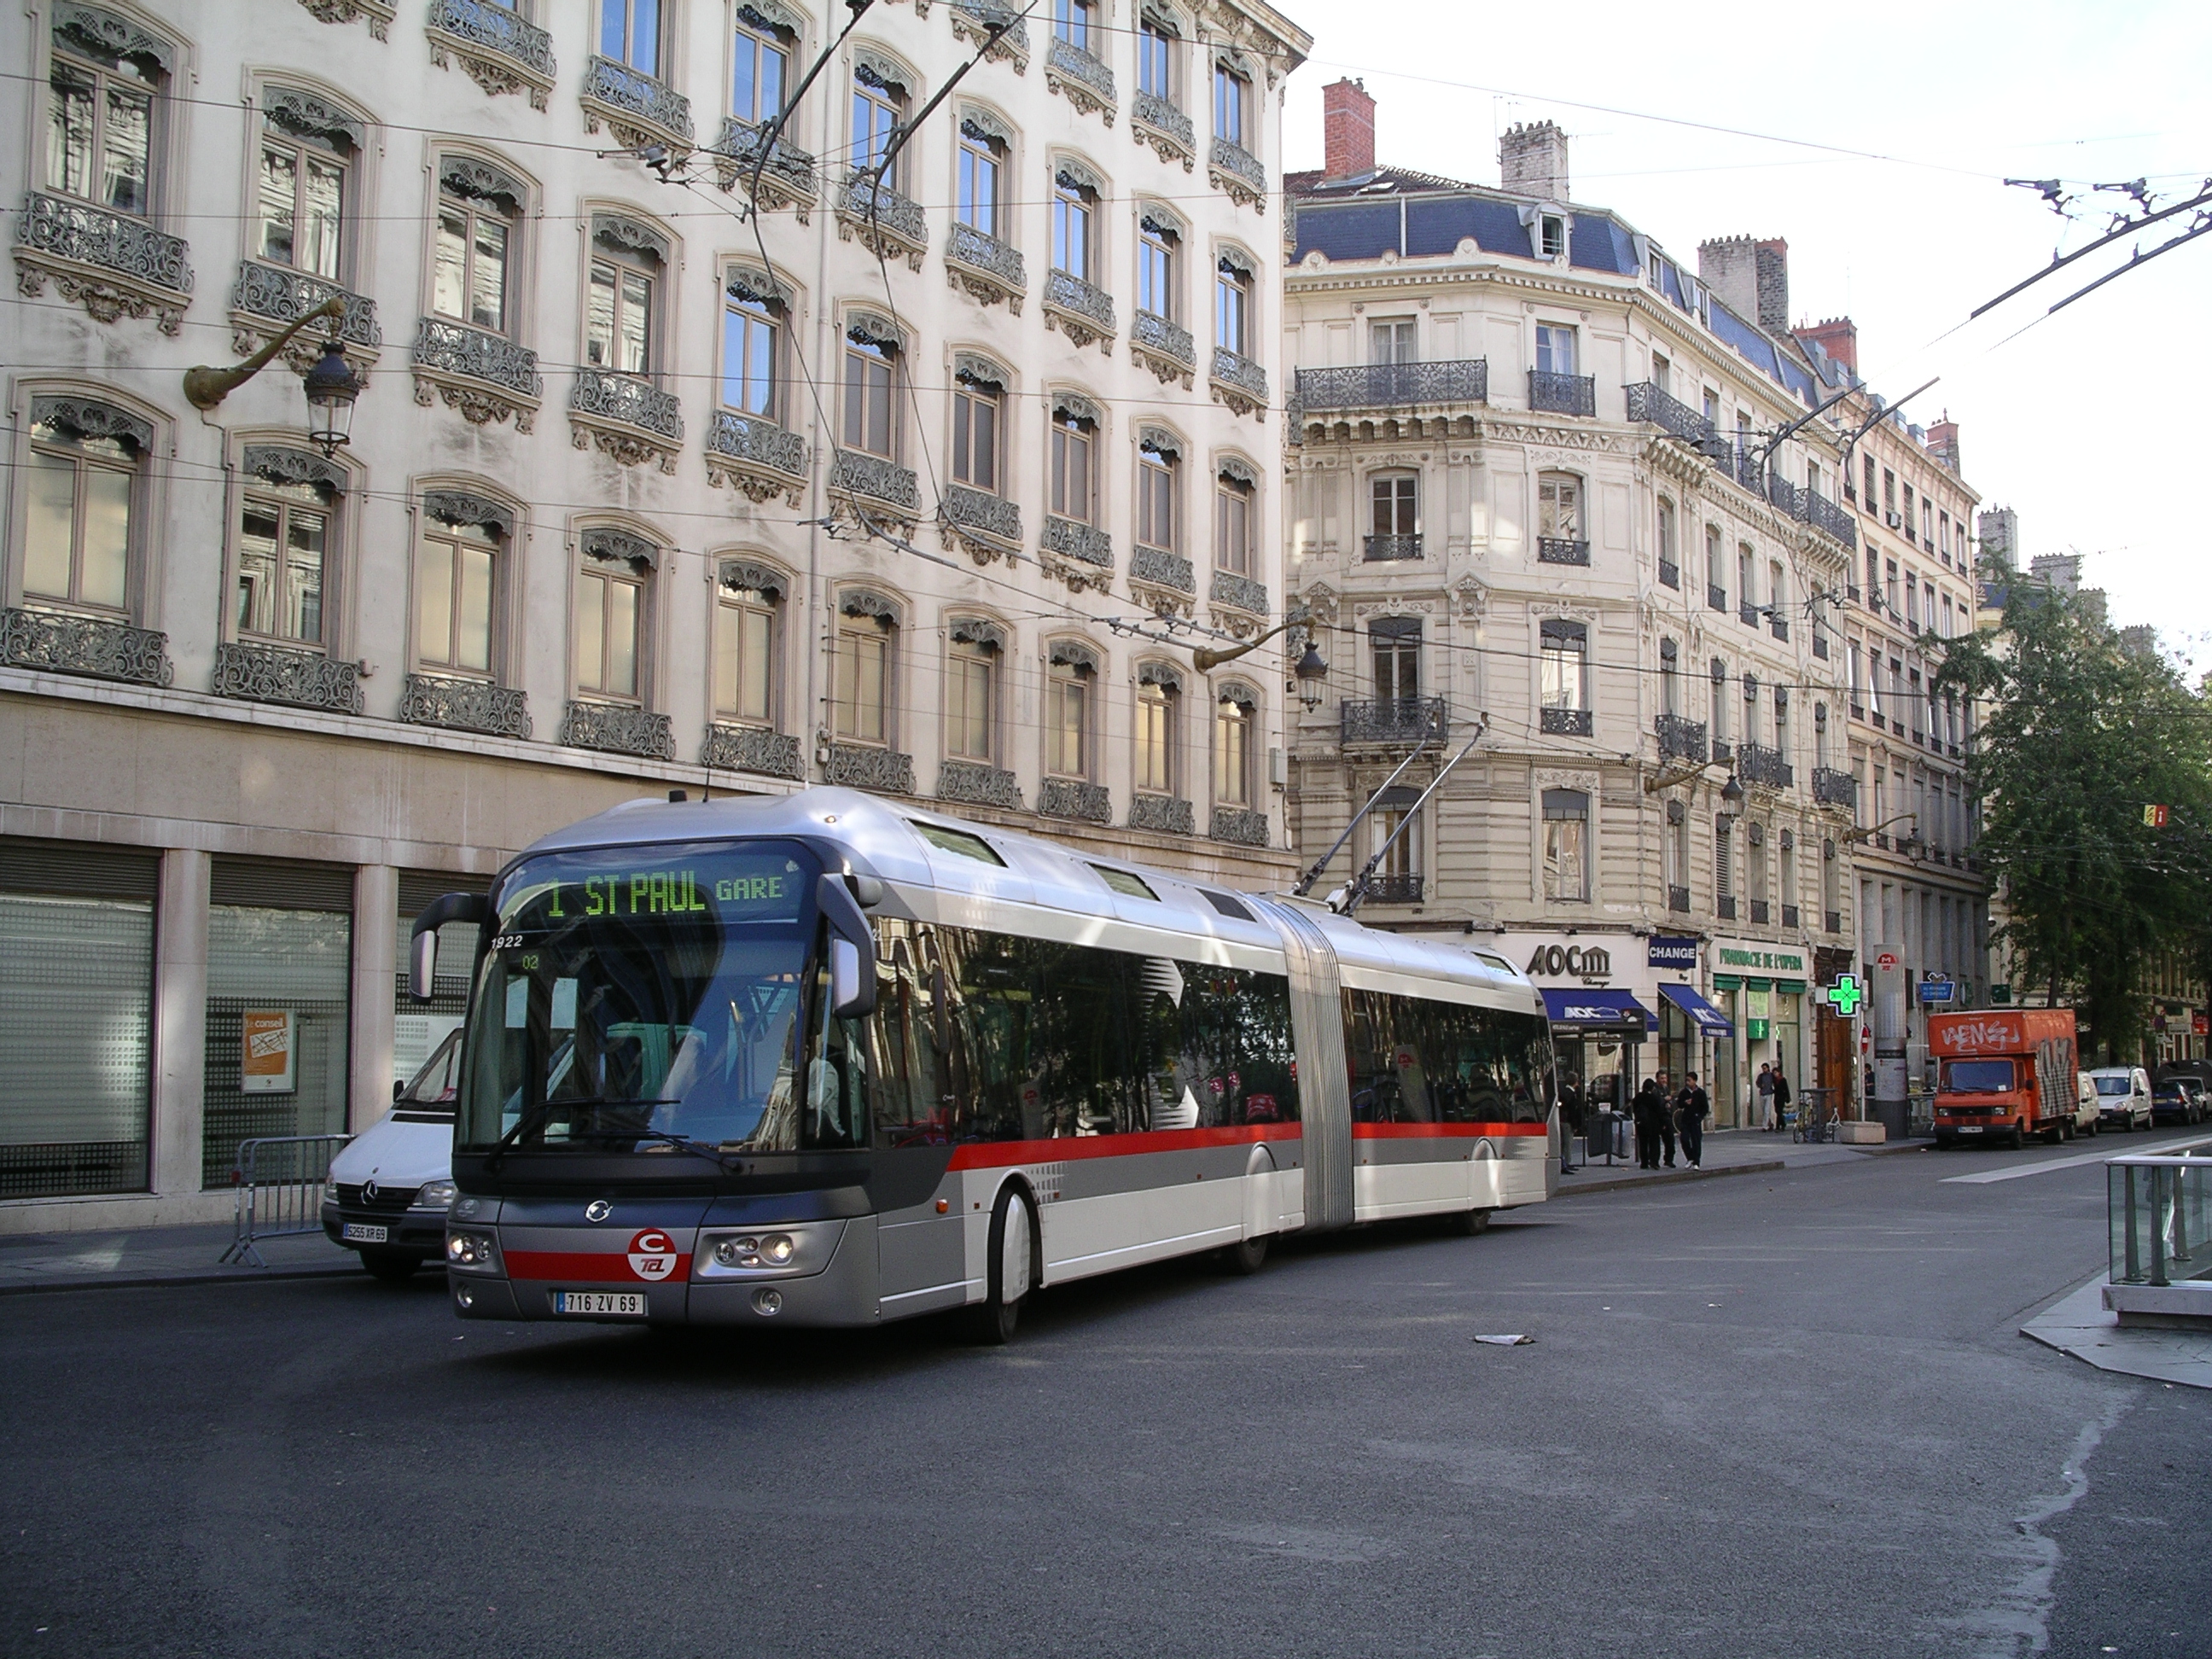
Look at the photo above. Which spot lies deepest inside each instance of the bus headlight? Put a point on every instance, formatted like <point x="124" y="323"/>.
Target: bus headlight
<point x="787" y="1252"/>
<point x="472" y="1252"/>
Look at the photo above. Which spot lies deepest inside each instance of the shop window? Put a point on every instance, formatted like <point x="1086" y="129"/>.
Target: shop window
<point x="280" y="970"/>
<point x="76" y="976"/>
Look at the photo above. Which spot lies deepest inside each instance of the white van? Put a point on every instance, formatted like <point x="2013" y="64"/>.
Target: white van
<point x="390" y="1185"/>
<point x="2122" y="1096"/>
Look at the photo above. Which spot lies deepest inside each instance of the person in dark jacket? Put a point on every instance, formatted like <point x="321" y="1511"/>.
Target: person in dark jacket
<point x="1781" y="1096"/>
<point x="1651" y="1112"/>
<point x="1692" y="1106"/>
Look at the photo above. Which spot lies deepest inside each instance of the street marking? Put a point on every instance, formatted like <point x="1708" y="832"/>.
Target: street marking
<point x="1985" y="1176"/>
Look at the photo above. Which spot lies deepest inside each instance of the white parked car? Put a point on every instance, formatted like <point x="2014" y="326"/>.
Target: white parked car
<point x="2090" y="1110"/>
<point x="391" y="1184"/>
<point x="2123" y="1097"/>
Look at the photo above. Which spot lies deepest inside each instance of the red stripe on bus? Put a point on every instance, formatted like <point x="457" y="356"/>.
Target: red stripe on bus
<point x="587" y="1268"/>
<point x="1435" y="1131"/>
<point x="1000" y="1154"/>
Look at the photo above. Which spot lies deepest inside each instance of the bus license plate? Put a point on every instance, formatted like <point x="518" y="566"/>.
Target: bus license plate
<point x="599" y="1302"/>
<point x="365" y="1232"/>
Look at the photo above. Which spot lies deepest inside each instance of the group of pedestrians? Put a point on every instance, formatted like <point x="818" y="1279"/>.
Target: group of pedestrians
<point x="1660" y="1117"/>
<point x="1773" y="1096"/>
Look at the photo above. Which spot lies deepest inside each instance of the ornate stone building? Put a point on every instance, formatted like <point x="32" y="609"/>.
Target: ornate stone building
<point x="1531" y="492"/>
<point x="642" y="491"/>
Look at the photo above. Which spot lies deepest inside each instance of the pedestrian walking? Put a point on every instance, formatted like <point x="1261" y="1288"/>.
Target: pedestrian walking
<point x="1574" y="1116"/>
<point x="1665" y="1118"/>
<point x="1692" y="1107"/>
<point x="1767" y="1118"/>
<point x="1781" y="1096"/>
<point x="1650" y="1109"/>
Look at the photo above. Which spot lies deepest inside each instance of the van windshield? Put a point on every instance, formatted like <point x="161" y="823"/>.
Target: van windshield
<point x="2121" y="1084"/>
<point x="633" y="996"/>
<point x="1977" y="1077"/>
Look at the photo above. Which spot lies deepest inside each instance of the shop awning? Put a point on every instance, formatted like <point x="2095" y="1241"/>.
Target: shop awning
<point x="1596" y="1013"/>
<point x="1711" y="1021"/>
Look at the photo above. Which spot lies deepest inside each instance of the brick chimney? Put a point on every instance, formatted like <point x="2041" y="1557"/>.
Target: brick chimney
<point x="1752" y="277"/>
<point x="1837" y="336"/>
<point x="1347" y="121"/>
<point x="1532" y="160"/>
<point x="1943" y="442"/>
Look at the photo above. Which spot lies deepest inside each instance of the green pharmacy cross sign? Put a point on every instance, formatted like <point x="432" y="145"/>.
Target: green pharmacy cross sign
<point x="1845" y="994"/>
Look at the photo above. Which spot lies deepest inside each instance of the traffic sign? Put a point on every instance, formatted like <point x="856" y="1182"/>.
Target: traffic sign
<point x="1845" y="994"/>
<point x="1937" y="990"/>
<point x="1884" y="960"/>
<point x="2154" y="816"/>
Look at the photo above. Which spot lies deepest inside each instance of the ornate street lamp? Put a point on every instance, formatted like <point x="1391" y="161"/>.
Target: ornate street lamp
<point x="1311" y="671"/>
<point x="331" y="385"/>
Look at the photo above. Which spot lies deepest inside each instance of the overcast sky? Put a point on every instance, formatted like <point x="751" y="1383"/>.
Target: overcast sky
<point x="2092" y="424"/>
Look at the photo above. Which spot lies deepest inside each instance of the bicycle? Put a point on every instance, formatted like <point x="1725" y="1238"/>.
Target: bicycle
<point x="1811" y="1123"/>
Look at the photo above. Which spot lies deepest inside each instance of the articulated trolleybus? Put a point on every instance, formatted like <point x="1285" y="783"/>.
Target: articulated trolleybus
<point x="829" y="1059"/>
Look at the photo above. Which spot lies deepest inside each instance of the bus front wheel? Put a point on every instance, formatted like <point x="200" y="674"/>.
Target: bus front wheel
<point x="1469" y="1222"/>
<point x="1012" y="1231"/>
<point x="1246" y="1257"/>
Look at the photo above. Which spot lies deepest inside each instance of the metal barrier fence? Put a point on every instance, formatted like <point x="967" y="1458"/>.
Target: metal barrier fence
<point x="2159" y="1215"/>
<point x="280" y="1180"/>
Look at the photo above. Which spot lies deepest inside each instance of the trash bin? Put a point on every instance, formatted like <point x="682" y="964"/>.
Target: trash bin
<point x="1609" y="1134"/>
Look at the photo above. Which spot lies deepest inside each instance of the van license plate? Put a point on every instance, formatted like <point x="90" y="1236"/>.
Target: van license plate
<point x="1970" y="1129"/>
<point x="599" y="1302"/>
<point x="364" y="1233"/>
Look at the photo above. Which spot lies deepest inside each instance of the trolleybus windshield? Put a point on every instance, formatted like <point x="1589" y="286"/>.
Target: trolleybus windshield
<point x="636" y="997"/>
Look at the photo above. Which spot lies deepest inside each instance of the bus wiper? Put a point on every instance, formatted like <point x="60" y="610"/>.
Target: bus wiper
<point x="684" y="1144"/>
<point x="535" y="1116"/>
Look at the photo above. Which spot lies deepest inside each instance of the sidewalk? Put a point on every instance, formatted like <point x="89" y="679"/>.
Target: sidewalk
<point x="2078" y="1324"/>
<point x="1727" y="1153"/>
<point x="157" y="1255"/>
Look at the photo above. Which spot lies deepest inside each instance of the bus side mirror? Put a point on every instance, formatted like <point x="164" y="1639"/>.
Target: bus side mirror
<point x="422" y="943"/>
<point x="852" y="950"/>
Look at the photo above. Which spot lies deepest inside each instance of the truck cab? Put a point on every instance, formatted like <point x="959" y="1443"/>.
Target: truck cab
<point x="2004" y="1075"/>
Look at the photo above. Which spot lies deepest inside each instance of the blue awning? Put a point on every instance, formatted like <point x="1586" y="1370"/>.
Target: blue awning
<point x="1596" y="1013"/>
<point x="1710" y="1020"/>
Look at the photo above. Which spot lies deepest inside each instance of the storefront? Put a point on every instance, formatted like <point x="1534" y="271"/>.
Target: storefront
<point x="1760" y="987"/>
<point x="1598" y="1036"/>
<point x="1602" y="990"/>
<point x="1686" y="1023"/>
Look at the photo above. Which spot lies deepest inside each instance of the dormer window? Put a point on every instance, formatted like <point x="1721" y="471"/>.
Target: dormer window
<point x="1551" y="236"/>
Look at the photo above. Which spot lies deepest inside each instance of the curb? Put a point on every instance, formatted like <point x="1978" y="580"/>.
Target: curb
<point x="185" y="1276"/>
<point x="1667" y="1179"/>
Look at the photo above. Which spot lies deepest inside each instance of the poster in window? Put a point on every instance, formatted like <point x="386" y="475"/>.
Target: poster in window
<point x="268" y="1052"/>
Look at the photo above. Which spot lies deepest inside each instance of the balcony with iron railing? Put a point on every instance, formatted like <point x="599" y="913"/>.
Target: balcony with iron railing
<point x="1834" y="788"/>
<point x="1681" y="739"/>
<point x="109" y="263"/>
<point x="786" y="176"/>
<point x="1724" y="906"/>
<point x="1779" y="625"/>
<point x="1830" y="520"/>
<point x="1562" y="394"/>
<point x="1788" y="915"/>
<point x="1387" y="549"/>
<point x="1647" y="403"/>
<point x="1723" y="754"/>
<point x="1715" y="597"/>
<point x="501" y="51"/>
<point x="1758" y="913"/>
<point x="1678" y="900"/>
<point x="1392" y="721"/>
<point x="1746" y="613"/>
<point x="1670" y="574"/>
<point x="635" y="106"/>
<point x="1236" y="170"/>
<point x="1561" y="550"/>
<point x="1394" y="385"/>
<point x="1394" y="890"/>
<point x="1832" y="921"/>
<point x="1820" y="646"/>
<point x="1756" y="763"/>
<point x="1566" y="722"/>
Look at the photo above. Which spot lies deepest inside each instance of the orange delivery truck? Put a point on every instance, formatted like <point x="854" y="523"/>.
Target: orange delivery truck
<point x="2004" y="1074"/>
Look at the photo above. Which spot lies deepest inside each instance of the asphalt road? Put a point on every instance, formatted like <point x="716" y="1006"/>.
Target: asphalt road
<point x="1780" y="1414"/>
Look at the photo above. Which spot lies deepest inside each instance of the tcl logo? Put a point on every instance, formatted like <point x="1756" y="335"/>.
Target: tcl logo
<point x="653" y="1255"/>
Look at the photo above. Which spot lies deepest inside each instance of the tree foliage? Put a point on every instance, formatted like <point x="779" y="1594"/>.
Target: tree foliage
<point x="2079" y="737"/>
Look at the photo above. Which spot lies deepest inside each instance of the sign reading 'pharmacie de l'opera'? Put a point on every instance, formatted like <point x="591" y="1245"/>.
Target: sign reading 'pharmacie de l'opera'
<point x="1760" y="959"/>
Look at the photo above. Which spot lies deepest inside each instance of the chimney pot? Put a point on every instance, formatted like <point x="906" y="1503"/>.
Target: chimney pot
<point x="1532" y="160"/>
<point x="1348" y="129"/>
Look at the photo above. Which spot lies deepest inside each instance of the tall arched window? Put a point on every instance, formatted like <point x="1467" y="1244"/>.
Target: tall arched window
<point x="1074" y="485"/>
<point x="1070" y="674"/>
<point x="287" y="503"/>
<point x="1236" y="717"/>
<point x="748" y="621"/>
<point x="474" y="259"/>
<point x="1670" y="562"/>
<point x="1561" y="538"/>
<point x="867" y="637"/>
<point x="871" y="367"/>
<point x="458" y="574"/>
<point x="1156" y="467"/>
<point x="760" y="64"/>
<point x="1159" y="693"/>
<point x="611" y="591"/>
<point x="1566" y="846"/>
<point x="753" y="319"/>
<point x="977" y="649"/>
<point x="306" y="183"/>
<point x="78" y="544"/>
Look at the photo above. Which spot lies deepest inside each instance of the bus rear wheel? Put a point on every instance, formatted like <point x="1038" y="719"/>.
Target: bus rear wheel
<point x="1012" y="1231"/>
<point x="1468" y="1223"/>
